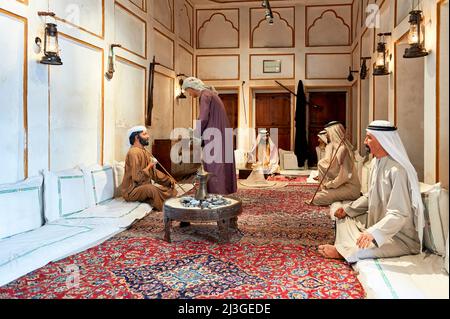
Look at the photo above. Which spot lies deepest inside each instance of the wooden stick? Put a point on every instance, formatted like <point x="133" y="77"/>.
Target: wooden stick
<point x="157" y="162"/>
<point x="326" y="173"/>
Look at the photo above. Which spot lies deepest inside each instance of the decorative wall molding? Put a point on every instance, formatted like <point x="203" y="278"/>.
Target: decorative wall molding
<point x="188" y="10"/>
<point x="275" y="56"/>
<point x="191" y="73"/>
<point x="261" y="23"/>
<point x="102" y="97"/>
<point x="172" y="53"/>
<point x="223" y="59"/>
<point x="327" y="11"/>
<point x="135" y="16"/>
<point x="141" y="4"/>
<point x="144" y="68"/>
<point x="396" y="56"/>
<point x="169" y="5"/>
<point x="228" y="16"/>
<point x="84" y="29"/>
<point x="343" y="71"/>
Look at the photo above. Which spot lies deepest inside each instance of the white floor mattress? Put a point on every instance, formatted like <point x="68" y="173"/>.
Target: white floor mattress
<point x="27" y="252"/>
<point x="409" y="277"/>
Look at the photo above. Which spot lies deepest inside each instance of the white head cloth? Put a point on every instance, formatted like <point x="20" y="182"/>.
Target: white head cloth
<point x="391" y="142"/>
<point x="136" y="129"/>
<point x="274" y="158"/>
<point x="196" y="84"/>
<point x="323" y="136"/>
<point x="336" y="132"/>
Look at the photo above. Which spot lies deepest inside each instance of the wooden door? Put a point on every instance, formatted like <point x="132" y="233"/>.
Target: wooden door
<point x="332" y="106"/>
<point x="273" y="110"/>
<point x="231" y="102"/>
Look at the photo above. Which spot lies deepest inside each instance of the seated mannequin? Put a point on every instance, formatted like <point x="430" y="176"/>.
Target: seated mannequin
<point x="264" y="154"/>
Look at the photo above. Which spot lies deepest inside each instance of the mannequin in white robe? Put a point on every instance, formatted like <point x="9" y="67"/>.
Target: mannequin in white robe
<point x="264" y="154"/>
<point x="388" y="221"/>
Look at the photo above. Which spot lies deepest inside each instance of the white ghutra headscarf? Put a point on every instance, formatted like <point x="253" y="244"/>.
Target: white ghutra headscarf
<point x="387" y="135"/>
<point x="196" y="84"/>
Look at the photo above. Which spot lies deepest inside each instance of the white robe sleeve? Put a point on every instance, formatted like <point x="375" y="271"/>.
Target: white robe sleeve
<point x="398" y="208"/>
<point x="358" y="207"/>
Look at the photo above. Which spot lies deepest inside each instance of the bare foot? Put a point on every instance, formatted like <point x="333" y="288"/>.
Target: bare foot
<point x="330" y="252"/>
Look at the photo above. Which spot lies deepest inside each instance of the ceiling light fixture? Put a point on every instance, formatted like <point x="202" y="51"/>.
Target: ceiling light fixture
<point x="269" y="13"/>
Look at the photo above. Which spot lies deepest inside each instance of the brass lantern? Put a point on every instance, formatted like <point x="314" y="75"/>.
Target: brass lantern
<point x="416" y="36"/>
<point x="51" y="47"/>
<point x="381" y="67"/>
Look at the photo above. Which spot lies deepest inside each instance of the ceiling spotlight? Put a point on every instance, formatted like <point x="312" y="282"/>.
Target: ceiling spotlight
<point x="269" y="13"/>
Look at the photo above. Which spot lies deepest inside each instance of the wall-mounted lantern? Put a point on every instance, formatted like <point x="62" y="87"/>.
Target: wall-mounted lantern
<point x="51" y="46"/>
<point x="181" y="94"/>
<point x="381" y="64"/>
<point x="416" y="36"/>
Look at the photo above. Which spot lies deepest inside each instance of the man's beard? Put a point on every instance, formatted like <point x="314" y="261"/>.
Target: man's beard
<point x="369" y="151"/>
<point x="144" y="142"/>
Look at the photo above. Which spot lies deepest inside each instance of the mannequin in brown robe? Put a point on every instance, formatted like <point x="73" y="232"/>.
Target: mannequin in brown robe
<point x="140" y="171"/>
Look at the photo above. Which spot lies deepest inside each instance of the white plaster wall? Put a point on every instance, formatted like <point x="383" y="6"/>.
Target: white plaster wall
<point x="162" y="120"/>
<point x="83" y="13"/>
<point x="129" y="103"/>
<point x="12" y="128"/>
<point x="164" y="49"/>
<point x="381" y="98"/>
<point x="76" y="103"/>
<point x="130" y="31"/>
<point x="443" y="96"/>
<point x="355" y="114"/>
<point x="410" y="108"/>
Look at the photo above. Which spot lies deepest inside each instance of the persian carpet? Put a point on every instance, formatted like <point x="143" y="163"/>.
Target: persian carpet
<point x="273" y="255"/>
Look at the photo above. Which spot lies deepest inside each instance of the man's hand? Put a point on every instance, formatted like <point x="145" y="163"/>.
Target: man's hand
<point x="172" y="183"/>
<point x="365" y="240"/>
<point x="340" y="213"/>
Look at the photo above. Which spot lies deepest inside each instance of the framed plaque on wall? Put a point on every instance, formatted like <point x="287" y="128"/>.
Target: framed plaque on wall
<point x="272" y="66"/>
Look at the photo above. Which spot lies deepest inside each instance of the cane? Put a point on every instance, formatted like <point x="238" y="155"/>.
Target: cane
<point x="157" y="162"/>
<point x="326" y="173"/>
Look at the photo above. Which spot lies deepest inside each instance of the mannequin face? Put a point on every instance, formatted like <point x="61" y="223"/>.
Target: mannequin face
<point x="375" y="147"/>
<point x="265" y="138"/>
<point x="193" y="93"/>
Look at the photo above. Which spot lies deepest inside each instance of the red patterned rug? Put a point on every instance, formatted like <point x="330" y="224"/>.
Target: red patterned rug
<point x="273" y="255"/>
<point x="291" y="179"/>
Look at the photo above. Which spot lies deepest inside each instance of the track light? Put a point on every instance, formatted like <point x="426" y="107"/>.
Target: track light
<point x="269" y="13"/>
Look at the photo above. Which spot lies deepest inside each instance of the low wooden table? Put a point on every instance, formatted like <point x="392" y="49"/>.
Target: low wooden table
<point x="225" y="216"/>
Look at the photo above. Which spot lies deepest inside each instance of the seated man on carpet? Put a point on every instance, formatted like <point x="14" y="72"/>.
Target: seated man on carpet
<point x="140" y="170"/>
<point x="337" y="170"/>
<point x="264" y="154"/>
<point x="389" y="220"/>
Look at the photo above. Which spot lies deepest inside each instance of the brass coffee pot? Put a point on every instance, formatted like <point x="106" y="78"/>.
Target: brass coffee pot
<point x="203" y="178"/>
